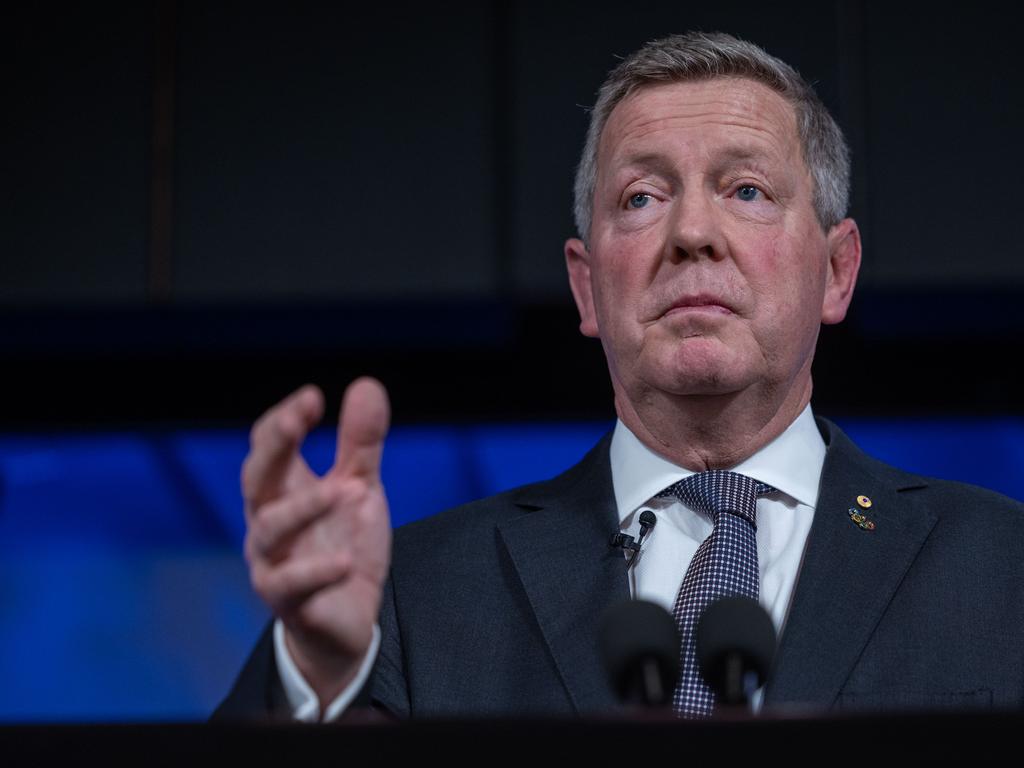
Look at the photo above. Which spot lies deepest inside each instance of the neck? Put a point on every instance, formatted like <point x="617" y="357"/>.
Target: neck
<point x="702" y="432"/>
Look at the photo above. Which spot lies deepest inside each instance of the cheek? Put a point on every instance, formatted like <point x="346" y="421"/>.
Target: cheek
<point x="621" y="279"/>
<point x="795" y="258"/>
<point x="792" y="288"/>
<point x="612" y="300"/>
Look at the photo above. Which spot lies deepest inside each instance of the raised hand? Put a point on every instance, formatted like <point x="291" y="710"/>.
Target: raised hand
<point x="318" y="548"/>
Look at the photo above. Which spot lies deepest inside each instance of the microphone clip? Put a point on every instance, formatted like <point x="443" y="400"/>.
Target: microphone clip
<point x="627" y="543"/>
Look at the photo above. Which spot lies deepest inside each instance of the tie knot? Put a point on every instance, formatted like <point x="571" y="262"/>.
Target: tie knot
<point x="718" y="490"/>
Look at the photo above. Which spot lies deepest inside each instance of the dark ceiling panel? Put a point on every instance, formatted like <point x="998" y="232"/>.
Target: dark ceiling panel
<point x="945" y="108"/>
<point x="74" y="153"/>
<point x="327" y="153"/>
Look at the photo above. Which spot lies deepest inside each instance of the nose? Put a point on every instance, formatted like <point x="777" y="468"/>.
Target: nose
<point x="696" y="229"/>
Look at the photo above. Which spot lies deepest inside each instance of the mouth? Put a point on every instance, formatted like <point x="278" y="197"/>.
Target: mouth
<point x="699" y="303"/>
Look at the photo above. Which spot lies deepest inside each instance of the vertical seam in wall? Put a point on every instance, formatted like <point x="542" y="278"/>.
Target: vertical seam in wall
<point x="854" y="96"/>
<point x="162" y="187"/>
<point x="503" y="164"/>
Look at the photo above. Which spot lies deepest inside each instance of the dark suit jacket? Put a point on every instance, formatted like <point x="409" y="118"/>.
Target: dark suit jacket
<point x="493" y="607"/>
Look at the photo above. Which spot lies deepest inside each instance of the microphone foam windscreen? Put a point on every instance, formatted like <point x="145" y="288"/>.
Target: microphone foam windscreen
<point x="635" y="633"/>
<point x="735" y="625"/>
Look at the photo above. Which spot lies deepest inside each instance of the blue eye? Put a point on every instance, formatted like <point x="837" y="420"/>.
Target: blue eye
<point x="747" y="193"/>
<point x="639" y="200"/>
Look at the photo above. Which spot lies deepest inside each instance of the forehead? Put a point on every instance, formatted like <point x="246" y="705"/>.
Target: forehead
<point x="727" y="114"/>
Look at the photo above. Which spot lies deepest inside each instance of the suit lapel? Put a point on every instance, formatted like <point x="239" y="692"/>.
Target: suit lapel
<point x="570" y="573"/>
<point x="849" y="575"/>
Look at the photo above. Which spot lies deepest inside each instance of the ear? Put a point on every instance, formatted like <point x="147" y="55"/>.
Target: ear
<point x="843" y="264"/>
<point x="577" y="260"/>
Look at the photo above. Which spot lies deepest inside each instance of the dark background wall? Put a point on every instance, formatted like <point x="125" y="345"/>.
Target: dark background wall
<point x="205" y="204"/>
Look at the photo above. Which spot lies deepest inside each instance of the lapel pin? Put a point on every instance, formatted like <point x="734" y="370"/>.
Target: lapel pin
<point x="862" y="522"/>
<point x="863" y="501"/>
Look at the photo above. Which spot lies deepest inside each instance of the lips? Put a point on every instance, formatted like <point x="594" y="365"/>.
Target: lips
<point x="700" y="302"/>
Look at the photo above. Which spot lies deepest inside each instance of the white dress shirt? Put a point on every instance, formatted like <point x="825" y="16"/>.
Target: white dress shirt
<point x="791" y="464"/>
<point x="304" y="702"/>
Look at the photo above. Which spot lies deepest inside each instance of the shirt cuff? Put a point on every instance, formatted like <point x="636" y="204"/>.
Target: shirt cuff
<point x="303" y="701"/>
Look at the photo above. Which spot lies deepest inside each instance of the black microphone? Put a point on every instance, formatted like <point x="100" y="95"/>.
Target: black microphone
<point x="735" y="648"/>
<point x="639" y="644"/>
<point x="647" y="521"/>
<point x="631" y="545"/>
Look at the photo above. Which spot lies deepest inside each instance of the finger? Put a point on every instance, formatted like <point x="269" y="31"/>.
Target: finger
<point x="286" y="585"/>
<point x="281" y="520"/>
<point x="275" y="440"/>
<point x="364" y="422"/>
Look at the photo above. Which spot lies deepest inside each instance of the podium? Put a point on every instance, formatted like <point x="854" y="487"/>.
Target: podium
<point x="893" y="738"/>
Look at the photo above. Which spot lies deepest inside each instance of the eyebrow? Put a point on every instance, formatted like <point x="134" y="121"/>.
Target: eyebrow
<point x="764" y="162"/>
<point x="731" y="156"/>
<point x="653" y="161"/>
<point x="742" y="155"/>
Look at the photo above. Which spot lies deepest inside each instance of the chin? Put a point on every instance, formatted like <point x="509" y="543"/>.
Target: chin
<point x="700" y="375"/>
<point x="696" y="382"/>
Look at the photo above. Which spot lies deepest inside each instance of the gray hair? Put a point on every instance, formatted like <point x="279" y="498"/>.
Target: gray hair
<point x="703" y="56"/>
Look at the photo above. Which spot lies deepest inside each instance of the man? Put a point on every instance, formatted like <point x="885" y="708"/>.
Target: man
<point x="710" y="204"/>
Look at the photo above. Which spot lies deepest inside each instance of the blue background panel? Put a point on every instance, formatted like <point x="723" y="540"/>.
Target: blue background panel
<point x="123" y="592"/>
<point x="983" y="452"/>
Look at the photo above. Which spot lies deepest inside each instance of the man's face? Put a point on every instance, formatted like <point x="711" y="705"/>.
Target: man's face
<point x="708" y="272"/>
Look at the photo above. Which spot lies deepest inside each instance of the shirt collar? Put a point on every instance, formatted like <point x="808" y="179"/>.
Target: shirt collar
<point x="790" y="463"/>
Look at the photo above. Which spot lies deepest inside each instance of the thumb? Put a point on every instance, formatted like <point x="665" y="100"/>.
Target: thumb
<point x="362" y="427"/>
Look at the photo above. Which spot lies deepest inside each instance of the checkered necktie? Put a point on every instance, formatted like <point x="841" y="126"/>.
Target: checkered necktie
<point x="725" y="564"/>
